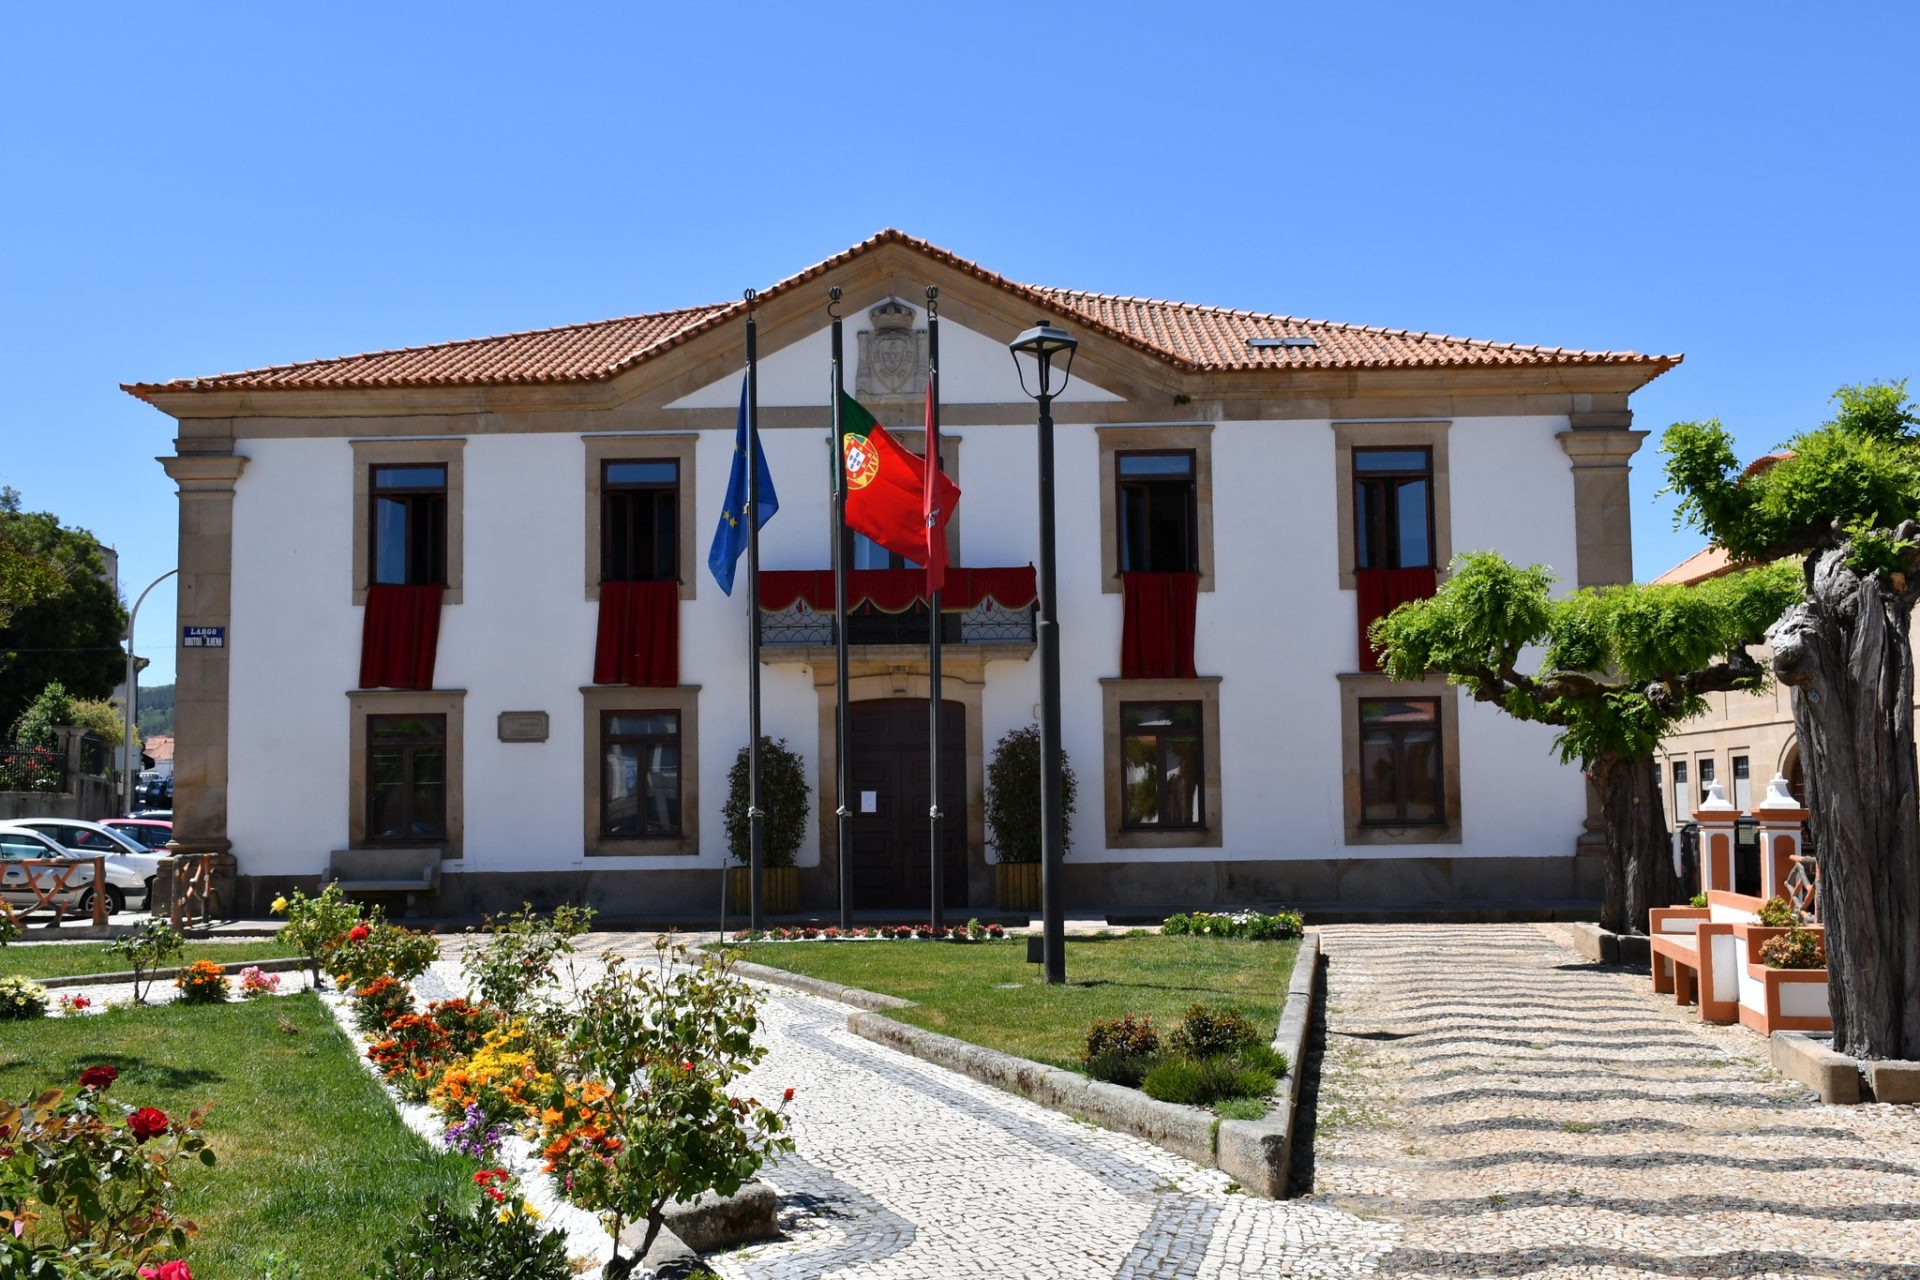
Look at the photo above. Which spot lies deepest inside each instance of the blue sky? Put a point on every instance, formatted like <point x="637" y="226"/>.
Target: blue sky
<point x="197" y="188"/>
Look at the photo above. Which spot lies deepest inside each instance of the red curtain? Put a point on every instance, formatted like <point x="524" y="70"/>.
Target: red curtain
<point x="1156" y="637"/>
<point x="1381" y="591"/>
<point x="639" y="642"/>
<point x="897" y="590"/>
<point x="399" y="637"/>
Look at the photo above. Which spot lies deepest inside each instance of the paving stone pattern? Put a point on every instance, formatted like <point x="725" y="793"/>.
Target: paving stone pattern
<point x="1514" y="1110"/>
<point x="907" y="1170"/>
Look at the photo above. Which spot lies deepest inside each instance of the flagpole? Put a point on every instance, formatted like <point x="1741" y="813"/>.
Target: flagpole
<point x="843" y="767"/>
<point x="936" y="821"/>
<point x="756" y="827"/>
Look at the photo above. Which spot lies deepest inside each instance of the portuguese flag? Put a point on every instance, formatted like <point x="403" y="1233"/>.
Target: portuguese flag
<point x="887" y="494"/>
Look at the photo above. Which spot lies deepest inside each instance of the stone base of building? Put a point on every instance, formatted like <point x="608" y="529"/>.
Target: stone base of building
<point x="693" y="896"/>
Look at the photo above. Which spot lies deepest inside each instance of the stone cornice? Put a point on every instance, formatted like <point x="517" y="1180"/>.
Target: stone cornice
<point x="205" y="472"/>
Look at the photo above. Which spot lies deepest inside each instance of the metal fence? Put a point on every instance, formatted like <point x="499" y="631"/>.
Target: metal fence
<point x="986" y="623"/>
<point x="39" y="769"/>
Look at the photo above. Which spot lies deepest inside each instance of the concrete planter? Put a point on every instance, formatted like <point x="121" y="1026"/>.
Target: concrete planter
<point x="1016" y="886"/>
<point x="780" y="887"/>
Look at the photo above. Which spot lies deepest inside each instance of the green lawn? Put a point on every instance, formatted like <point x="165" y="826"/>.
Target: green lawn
<point x="316" y="1172"/>
<point x="76" y="959"/>
<point x="987" y="993"/>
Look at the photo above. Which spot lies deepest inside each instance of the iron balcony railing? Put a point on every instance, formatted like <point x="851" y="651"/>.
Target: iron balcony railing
<point x="985" y="623"/>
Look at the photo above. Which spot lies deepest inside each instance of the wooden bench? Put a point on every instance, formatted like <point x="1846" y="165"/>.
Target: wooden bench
<point x="1681" y="940"/>
<point x="406" y="871"/>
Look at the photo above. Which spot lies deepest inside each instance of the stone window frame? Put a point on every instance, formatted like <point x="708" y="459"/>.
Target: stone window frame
<point x="1355" y="686"/>
<point x="677" y="447"/>
<point x="450" y="703"/>
<point x="450" y="452"/>
<point x="1196" y="438"/>
<point x="598" y="699"/>
<point x="1204" y="690"/>
<point x="1430" y="435"/>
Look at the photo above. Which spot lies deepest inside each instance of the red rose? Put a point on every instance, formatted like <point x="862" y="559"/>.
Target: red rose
<point x="788" y="1096"/>
<point x="686" y="1066"/>
<point x="98" y="1077"/>
<point x="358" y="933"/>
<point x="175" y="1270"/>
<point x="147" y="1122"/>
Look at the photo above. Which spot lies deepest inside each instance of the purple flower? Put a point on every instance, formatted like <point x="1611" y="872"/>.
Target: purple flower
<point x="471" y="1135"/>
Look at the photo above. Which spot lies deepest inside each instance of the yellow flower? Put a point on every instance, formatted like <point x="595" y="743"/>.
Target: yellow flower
<point x="526" y="1207"/>
<point x="278" y="905"/>
<point x="505" y="1215"/>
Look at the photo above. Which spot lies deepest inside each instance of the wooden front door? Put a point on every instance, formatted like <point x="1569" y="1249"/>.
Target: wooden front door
<point x="892" y="864"/>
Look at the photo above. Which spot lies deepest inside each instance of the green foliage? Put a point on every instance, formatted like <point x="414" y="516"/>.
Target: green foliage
<point x="512" y="961"/>
<point x="1116" y="1066"/>
<point x="149" y="945"/>
<point x="1126" y="1034"/>
<point x="1249" y="925"/>
<point x="785" y="799"/>
<point x="1797" y="948"/>
<point x="22" y="998"/>
<point x="1614" y="678"/>
<point x="1697" y="901"/>
<point x="652" y="1060"/>
<point x="1859" y="472"/>
<point x="8" y="929"/>
<point x="102" y="719"/>
<point x="1777" y="913"/>
<point x="386" y="950"/>
<point x="85" y="1182"/>
<point x="66" y="618"/>
<point x="39" y="725"/>
<point x="316" y="925"/>
<point x="1210" y="1031"/>
<point x="155" y="718"/>
<point x="1013" y="796"/>
<point x="1201" y="1082"/>
<point x="485" y="1242"/>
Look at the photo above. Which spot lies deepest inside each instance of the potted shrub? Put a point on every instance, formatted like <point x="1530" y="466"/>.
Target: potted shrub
<point x="1013" y="816"/>
<point x="786" y="801"/>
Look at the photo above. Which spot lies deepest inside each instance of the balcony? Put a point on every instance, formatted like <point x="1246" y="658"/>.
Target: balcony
<point x="887" y="608"/>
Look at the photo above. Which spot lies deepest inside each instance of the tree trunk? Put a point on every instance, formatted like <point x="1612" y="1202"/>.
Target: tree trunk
<point x="1847" y="654"/>
<point x="1639" y="852"/>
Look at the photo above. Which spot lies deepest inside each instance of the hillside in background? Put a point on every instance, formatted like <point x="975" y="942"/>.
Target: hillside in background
<point x="156" y="711"/>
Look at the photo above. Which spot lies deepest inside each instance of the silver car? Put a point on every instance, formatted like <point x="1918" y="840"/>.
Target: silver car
<point x="17" y="882"/>
<point x="130" y="868"/>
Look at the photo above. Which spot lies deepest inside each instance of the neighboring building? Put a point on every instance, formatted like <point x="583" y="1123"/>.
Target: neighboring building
<point x="1253" y="486"/>
<point x="160" y="751"/>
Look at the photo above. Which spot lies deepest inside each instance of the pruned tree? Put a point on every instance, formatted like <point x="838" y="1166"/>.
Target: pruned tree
<point x="1621" y="667"/>
<point x="1844" y="499"/>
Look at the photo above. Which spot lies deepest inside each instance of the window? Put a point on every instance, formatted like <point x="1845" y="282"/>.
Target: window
<point x="1157" y="512"/>
<point x="1162" y="773"/>
<point x="1742" y="795"/>
<point x="1400" y="763"/>
<point x="640" y="521"/>
<point x="1682" y="809"/>
<point x="1392" y="508"/>
<point x="640" y="792"/>
<point x="1706" y="777"/>
<point x="408" y="538"/>
<point x="406" y="779"/>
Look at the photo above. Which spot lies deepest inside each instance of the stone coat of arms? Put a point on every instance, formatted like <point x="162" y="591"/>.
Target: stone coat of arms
<point x="893" y="354"/>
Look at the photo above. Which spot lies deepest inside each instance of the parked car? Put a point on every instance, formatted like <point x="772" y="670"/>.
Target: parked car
<point x="18" y="845"/>
<point x="150" y="833"/>
<point x="131" y="866"/>
<point x="152" y="790"/>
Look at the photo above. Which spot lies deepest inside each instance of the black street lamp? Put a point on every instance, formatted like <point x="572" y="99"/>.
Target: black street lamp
<point x="1041" y="345"/>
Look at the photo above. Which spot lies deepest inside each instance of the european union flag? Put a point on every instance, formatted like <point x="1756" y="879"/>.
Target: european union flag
<point x="730" y="537"/>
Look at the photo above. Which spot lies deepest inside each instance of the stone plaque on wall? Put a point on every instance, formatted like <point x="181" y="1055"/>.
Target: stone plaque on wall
<point x="523" y="726"/>
<point x="893" y="354"/>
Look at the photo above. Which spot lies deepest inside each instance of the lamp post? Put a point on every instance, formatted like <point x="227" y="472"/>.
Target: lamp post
<point x="1041" y="345"/>
<point x="133" y="693"/>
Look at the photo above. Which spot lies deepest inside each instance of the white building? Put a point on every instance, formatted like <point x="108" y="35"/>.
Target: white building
<point x="1296" y="473"/>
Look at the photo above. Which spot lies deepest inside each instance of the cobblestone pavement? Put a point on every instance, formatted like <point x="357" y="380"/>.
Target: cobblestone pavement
<point x="1514" y="1110"/>
<point x="904" y="1170"/>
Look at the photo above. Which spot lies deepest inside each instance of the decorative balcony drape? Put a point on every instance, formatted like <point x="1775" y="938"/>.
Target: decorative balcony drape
<point x="639" y="639"/>
<point x="1156" y="634"/>
<point x="897" y="590"/>
<point x="1379" y="592"/>
<point x="399" y="637"/>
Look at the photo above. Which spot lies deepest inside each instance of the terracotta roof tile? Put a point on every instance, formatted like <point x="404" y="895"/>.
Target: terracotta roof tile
<point x="1195" y="338"/>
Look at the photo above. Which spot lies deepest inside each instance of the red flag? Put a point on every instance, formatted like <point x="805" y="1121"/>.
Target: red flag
<point x="887" y="491"/>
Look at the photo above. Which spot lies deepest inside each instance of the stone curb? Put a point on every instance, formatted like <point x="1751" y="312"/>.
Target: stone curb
<point x="1815" y="1064"/>
<point x="1257" y="1154"/>
<point x="818" y="987"/>
<point x="1603" y="946"/>
<point x="286" y="964"/>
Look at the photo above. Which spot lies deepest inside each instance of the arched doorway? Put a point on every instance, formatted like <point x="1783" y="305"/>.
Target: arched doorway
<point x="888" y="757"/>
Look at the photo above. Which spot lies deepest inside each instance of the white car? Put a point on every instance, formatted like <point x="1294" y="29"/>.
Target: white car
<point x="130" y="868"/>
<point x="18" y="845"/>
